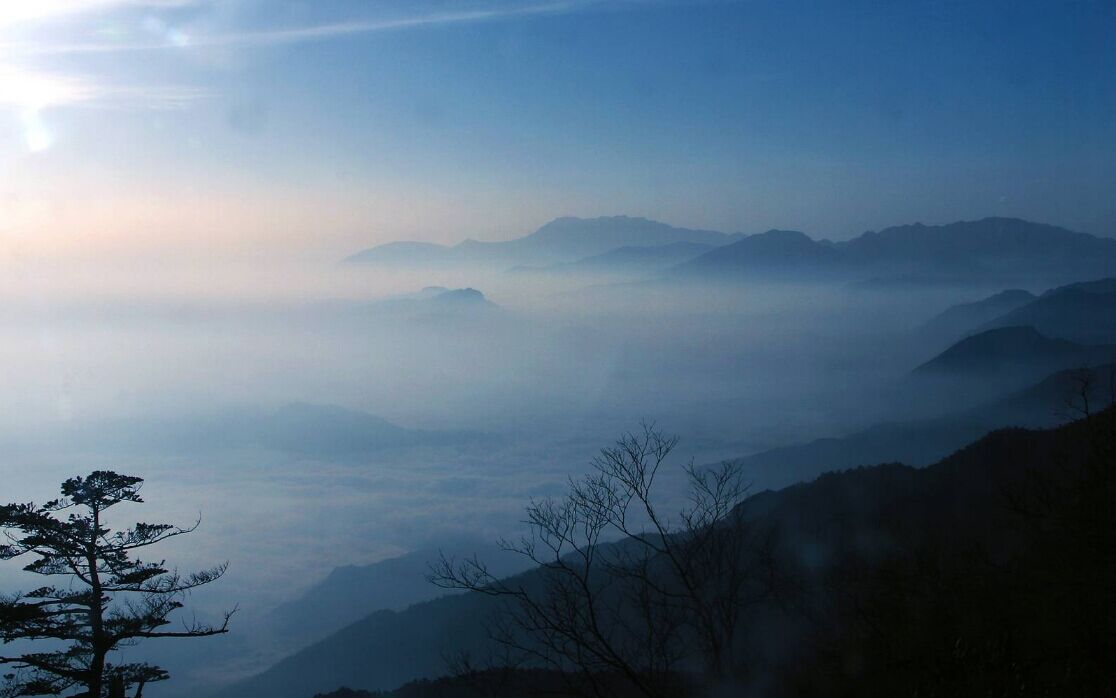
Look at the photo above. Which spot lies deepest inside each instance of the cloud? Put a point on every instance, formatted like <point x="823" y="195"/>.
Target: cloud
<point x="288" y="35"/>
<point x="33" y="91"/>
<point x="28" y="93"/>
<point x="37" y="11"/>
<point x="28" y="89"/>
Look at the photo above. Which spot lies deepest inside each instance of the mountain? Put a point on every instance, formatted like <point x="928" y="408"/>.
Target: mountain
<point x="348" y="592"/>
<point x="959" y="320"/>
<point x="991" y="250"/>
<point x="432" y="299"/>
<point x="1045" y="404"/>
<point x="775" y="252"/>
<point x="1009" y="349"/>
<point x="394" y="584"/>
<point x="561" y="240"/>
<point x="426" y="293"/>
<point x="1081" y="312"/>
<point x="626" y="260"/>
<point x="433" y="306"/>
<point x="380" y="651"/>
<point x="863" y="518"/>
<point x="984" y="252"/>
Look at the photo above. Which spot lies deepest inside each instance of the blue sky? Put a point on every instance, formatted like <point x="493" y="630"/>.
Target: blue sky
<point x="324" y="126"/>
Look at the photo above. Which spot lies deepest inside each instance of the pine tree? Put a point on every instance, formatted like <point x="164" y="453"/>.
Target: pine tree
<point x="109" y="599"/>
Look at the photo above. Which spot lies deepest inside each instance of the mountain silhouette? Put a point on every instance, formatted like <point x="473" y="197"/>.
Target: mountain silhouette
<point x="778" y="252"/>
<point x="561" y="240"/>
<point x="982" y="251"/>
<point x="1081" y="312"/>
<point x="986" y="251"/>
<point x="959" y="320"/>
<point x="1012" y="348"/>
<point x="354" y="591"/>
<point x="433" y="306"/>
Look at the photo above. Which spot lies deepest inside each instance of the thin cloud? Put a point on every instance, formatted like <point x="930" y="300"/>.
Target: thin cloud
<point x="288" y="35"/>
<point x="33" y="91"/>
<point x="29" y="89"/>
<point x="13" y="12"/>
<point x="28" y="93"/>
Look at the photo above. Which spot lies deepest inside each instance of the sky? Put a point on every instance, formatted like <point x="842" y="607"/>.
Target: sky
<point x="252" y="129"/>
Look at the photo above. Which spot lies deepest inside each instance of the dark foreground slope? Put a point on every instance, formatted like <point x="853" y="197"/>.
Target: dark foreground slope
<point x="987" y="573"/>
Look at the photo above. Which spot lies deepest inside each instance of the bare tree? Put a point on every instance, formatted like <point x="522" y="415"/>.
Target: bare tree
<point x="109" y="601"/>
<point x="626" y="592"/>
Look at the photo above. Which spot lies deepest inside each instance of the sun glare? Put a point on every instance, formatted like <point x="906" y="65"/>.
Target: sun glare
<point x="19" y="11"/>
<point x="28" y="93"/>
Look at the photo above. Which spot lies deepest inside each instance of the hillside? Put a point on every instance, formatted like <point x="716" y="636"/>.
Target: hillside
<point x="1081" y="312"/>
<point x="959" y="320"/>
<point x="834" y="521"/>
<point x="355" y="591"/>
<point x="1008" y="349"/>
<point x="778" y="253"/>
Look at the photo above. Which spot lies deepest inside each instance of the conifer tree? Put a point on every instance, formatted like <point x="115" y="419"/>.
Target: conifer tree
<point x="100" y="599"/>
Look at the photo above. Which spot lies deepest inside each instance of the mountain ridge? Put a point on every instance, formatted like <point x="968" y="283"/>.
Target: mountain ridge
<point x="563" y="239"/>
<point x="984" y="250"/>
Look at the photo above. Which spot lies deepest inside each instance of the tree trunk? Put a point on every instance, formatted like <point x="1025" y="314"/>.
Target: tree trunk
<point x="96" y="621"/>
<point x="116" y="688"/>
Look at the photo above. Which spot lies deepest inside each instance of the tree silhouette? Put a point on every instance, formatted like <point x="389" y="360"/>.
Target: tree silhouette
<point x="630" y="600"/>
<point x="109" y="600"/>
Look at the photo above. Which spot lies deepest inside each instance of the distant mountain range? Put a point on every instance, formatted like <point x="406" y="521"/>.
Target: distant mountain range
<point x="985" y="252"/>
<point x="990" y="363"/>
<point x="1081" y="312"/>
<point x="561" y="240"/>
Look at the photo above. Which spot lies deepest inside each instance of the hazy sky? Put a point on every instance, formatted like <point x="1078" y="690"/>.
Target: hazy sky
<point x="274" y="127"/>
